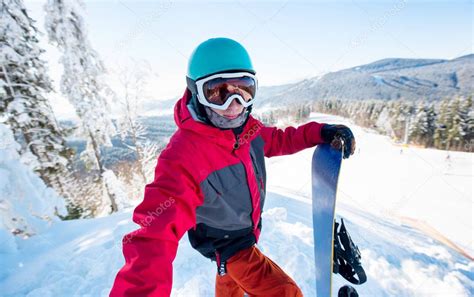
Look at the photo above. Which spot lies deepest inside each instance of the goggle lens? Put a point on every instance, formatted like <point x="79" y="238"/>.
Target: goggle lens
<point x="218" y="90"/>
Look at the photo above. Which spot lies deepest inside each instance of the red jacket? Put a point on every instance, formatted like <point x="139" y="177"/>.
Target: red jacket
<point x="208" y="182"/>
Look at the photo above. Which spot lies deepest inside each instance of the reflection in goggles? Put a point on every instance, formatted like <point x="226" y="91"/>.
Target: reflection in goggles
<point x="219" y="89"/>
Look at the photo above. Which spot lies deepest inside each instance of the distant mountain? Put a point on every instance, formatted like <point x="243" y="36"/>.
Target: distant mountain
<point x="385" y="79"/>
<point x="159" y="107"/>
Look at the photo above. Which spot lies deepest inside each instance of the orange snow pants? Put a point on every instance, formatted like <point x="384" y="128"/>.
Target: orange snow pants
<point x="249" y="271"/>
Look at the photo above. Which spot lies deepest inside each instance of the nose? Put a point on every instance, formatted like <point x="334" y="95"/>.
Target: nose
<point x="235" y="106"/>
<point x="235" y="103"/>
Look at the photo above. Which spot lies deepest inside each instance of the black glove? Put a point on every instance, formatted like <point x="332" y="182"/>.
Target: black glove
<point x="338" y="134"/>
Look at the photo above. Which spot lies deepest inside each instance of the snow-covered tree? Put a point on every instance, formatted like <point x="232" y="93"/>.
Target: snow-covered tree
<point x="133" y="78"/>
<point x="300" y="113"/>
<point x="401" y="116"/>
<point x="446" y="124"/>
<point x="27" y="205"/>
<point x="378" y="108"/>
<point x="442" y="125"/>
<point x="431" y="124"/>
<point x="24" y="83"/>
<point x="423" y="125"/>
<point x="458" y="122"/>
<point x="468" y="124"/>
<point x="83" y="85"/>
<point x="382" y="123"/>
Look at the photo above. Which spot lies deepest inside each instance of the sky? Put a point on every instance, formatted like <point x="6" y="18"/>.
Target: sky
<point x="287" y="40"/>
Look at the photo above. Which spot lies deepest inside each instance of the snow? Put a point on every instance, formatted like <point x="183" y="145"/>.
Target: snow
<point x="112" y="183"/>
<point x="27" y="206"/>
<point x="377" y="78"/>
<point x="387" y="193"/>
<point x="393" y="181"/>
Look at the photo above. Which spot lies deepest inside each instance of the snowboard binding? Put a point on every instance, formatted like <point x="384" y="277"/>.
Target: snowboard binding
<point x="347" y="291"/>
<point x="346" y="256"/>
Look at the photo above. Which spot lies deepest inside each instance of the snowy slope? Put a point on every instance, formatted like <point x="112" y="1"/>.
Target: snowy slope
<point x="379" y="186"/>
<point x="392" y="181"/>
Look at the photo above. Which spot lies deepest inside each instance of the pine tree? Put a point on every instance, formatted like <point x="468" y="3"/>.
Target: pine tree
<point x="24" y="83"/>
<point x="81" y="83"/>
<point x="468" y="124"/>
<point x="397" y="119"/>
<point x="376" y="111"/>
<point x="442" y="125"/>
<point x="430" y="124"/>
<point x="418" y="127"/>
<point x="458" y="123"/>
<point x="422" y="127"/>
<point x="306" y="111"/>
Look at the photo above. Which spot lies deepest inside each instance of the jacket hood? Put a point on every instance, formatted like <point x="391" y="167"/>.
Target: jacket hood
<point x="185" y="121"/>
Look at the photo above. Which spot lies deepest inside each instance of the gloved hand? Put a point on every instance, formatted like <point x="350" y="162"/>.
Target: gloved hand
<point x="338" y="134"/>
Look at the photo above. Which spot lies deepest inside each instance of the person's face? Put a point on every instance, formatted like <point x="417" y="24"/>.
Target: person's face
<point x="232" y="112"/>
<point x="235" y="108"/>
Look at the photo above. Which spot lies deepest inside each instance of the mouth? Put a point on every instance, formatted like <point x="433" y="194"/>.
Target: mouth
<point x="231" y="116"/>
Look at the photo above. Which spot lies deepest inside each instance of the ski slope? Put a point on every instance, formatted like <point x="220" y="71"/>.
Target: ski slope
<point x="408" y="209"/>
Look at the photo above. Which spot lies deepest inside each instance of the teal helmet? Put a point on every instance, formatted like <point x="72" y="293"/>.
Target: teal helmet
<point x="218" y="55"/>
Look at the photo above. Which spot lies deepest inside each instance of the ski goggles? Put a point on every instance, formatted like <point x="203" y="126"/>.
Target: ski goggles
<point x="218" y="90"/>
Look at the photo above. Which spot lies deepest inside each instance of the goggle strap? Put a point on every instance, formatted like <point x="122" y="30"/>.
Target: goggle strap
<point x="191" y="85"/>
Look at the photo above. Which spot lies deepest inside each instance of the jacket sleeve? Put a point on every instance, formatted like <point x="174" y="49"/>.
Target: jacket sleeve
<point x="280" y="142"/>
<point x="166" y="213"/>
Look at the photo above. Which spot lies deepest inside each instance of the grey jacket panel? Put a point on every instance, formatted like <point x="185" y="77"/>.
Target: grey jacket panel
<point x="227" y="201"/>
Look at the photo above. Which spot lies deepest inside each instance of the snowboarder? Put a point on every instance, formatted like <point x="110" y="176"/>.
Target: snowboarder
<point x="210" y="181"/>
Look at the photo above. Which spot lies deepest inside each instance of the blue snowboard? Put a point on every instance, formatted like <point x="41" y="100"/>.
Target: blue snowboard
<point x="325" y="173"/>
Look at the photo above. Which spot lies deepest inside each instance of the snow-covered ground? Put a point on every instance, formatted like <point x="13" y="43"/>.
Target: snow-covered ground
<point x="408" y="209"/>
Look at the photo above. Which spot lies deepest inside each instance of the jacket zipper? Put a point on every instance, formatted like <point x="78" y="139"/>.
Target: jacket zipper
<point x="221" y="265"/>
<point x="236" y="144"/>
